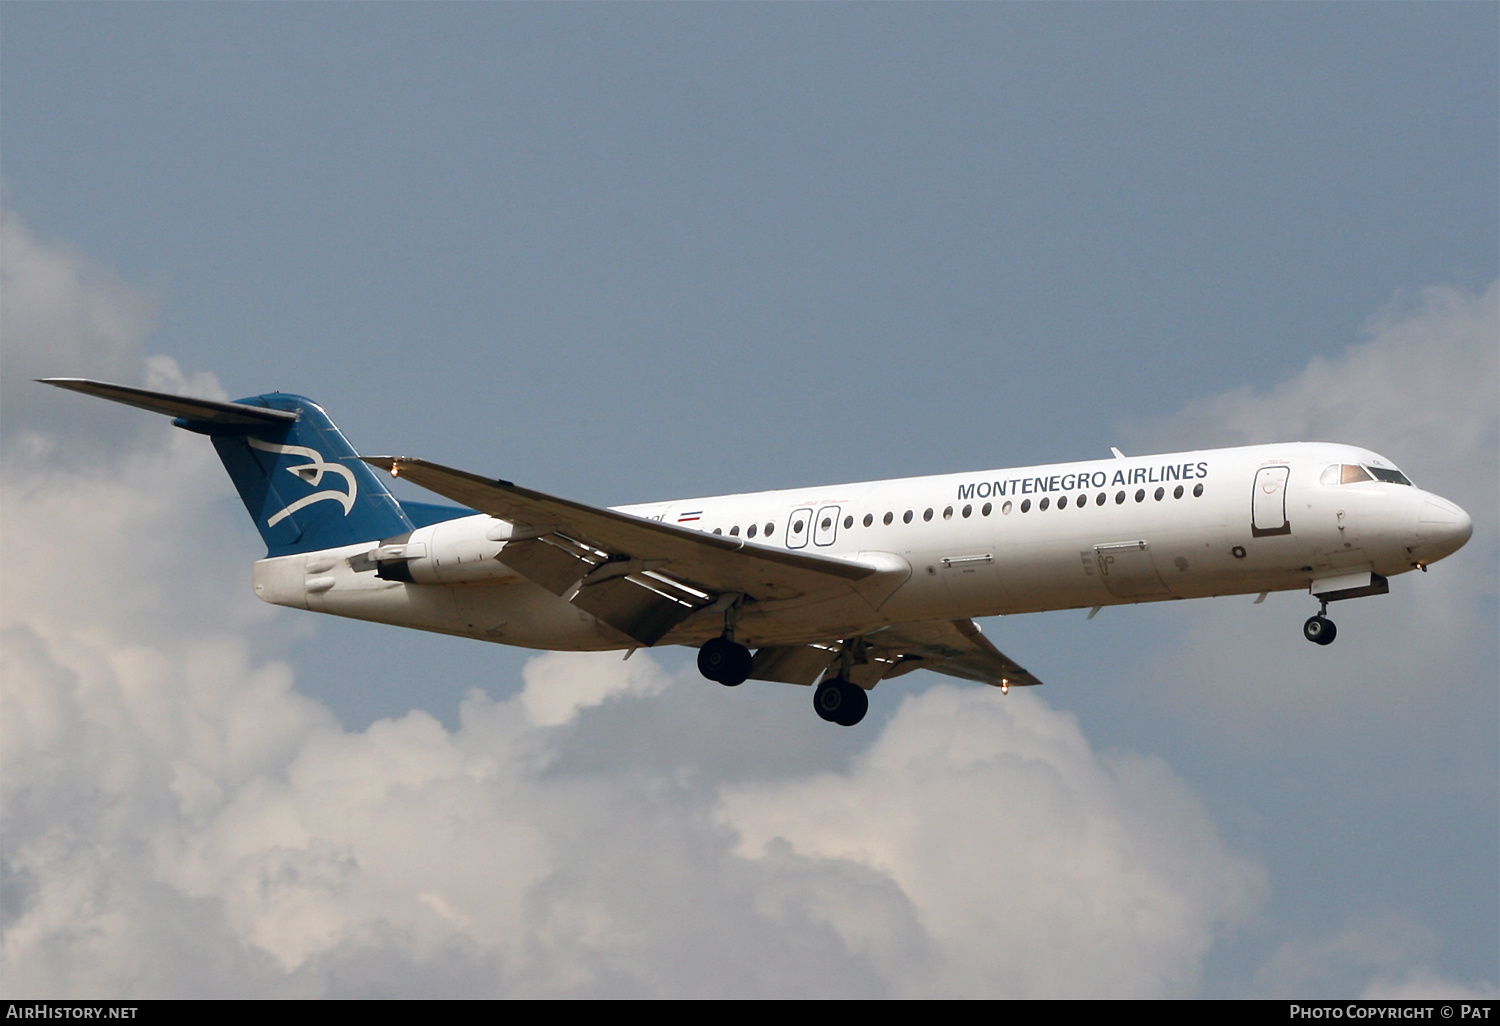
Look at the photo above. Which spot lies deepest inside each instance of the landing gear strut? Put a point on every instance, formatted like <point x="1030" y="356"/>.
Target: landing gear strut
<point x="723" y="659"/>
<point x="840" y="701"/>
<point x="1319" y="629"/>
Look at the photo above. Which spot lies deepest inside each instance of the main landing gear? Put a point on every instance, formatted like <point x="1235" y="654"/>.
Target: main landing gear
<point x="840" y="701"/>
<point x="837" y="699"/>
<point x="1319" y="629"/>
<point x="723" y="659"/>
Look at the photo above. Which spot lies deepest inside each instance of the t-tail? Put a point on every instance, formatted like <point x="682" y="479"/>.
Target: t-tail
<point x="303" y="484"/>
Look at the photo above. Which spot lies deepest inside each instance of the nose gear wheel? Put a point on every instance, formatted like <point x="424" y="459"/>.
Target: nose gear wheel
<point x="1319" y="630"/>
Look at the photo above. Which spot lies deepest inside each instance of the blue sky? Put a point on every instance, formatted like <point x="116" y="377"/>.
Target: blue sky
<point x="627" y="252"/>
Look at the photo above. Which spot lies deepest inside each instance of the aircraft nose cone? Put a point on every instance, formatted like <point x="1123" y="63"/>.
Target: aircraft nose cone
<point x="1444" y="528"/>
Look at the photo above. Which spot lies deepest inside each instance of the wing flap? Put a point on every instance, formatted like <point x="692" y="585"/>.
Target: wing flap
<point x="953" y="647"/>
<point x="792" y="664"/>
<point x="549" y="561"/>
<point x="640" y="606"/>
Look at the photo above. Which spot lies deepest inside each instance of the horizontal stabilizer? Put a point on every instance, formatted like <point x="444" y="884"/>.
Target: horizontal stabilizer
<point x="207" y="411"/>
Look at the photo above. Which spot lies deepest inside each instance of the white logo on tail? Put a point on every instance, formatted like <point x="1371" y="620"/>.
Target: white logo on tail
<point x="312" y="473"/>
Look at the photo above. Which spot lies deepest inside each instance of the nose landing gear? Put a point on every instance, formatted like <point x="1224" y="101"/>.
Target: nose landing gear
<point x="1319" y="629"/>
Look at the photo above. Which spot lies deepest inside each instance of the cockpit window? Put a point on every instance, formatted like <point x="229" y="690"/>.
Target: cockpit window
<point x="1350" y="473"/>
<point x="1346" y="473"/>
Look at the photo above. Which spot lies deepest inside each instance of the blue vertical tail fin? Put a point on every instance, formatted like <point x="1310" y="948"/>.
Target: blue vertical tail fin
<point x="301" y="481"/>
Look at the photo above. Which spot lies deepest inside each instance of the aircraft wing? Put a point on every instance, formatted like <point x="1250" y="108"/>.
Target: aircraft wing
<point x="954" y="647"/>
<point x="641" y="576"/>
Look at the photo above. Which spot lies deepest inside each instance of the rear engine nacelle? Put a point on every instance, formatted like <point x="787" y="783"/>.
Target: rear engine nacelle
<point x="453" y="552"/>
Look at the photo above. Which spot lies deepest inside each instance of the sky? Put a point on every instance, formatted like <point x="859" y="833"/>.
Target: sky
<point x="633" y="252"/>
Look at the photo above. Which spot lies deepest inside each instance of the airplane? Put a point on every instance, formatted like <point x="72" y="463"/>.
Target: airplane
<point x="837" y="587"/>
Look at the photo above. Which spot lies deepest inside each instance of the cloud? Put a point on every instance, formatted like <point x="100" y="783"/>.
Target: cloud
<point x="1036" y="867"/>
<point x="558" y="687"/>
<point x="65" y="316"/>
<point x="1386" y="959"/>
<point x="1422" y="387"/>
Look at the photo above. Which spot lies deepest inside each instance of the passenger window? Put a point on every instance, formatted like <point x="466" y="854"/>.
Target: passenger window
<point x="848" y="523"/>
<point x="967" y="511"/>
<point x="906" y="517"/>
<point x="1119" y="498"/>
<point x="927" y="515"/>
<point x="948" y="513"/>
<point x="734" y="532"/>
<point x="1082" y="500"/>
<point x="1197" y="490"/>
<point x="1177" y="492"/>
<point x="1005" y="510"/>
<point x="769" y="528"/>
<point x="1140" y="495"/>
<point x="1159" y="493"/>
<point x="1025" y="505"/>
<point x="750" y="531"/>
<point x="887" y="519"/>
<point x="1099" y="501"/>
<point x="869" y="519"/>
<point x="718" y="530"/>
<point x="1062" y="502"/>
<point x="1044" y="503"/>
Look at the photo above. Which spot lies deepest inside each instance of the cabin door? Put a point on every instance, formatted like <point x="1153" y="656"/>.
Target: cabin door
<point x="1268" y="504"/>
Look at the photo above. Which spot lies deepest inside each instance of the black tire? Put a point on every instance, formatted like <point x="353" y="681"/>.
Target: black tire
<point x="839" y="701"/>
<point x="856" y="704"/>
<point x="1319" y="630"/>
<point x="724" y="661"/>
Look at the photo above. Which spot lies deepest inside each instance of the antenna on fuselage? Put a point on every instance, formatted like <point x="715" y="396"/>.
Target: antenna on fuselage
<point x="1118" y="454"/>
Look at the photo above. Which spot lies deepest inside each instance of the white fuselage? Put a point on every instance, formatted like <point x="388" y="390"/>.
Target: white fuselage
<point x="1137" y="529"/>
